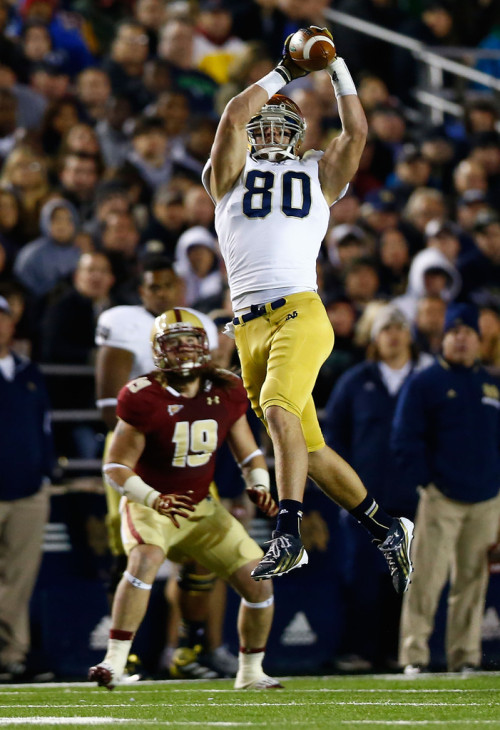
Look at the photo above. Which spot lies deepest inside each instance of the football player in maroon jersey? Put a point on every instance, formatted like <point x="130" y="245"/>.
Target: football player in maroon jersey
<point x="162" y="459"/>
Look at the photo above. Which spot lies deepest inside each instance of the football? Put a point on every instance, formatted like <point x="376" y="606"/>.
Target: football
<point x="311" y="49"/>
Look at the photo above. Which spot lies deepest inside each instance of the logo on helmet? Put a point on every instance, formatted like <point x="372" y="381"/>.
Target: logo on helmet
<point x="180" y="343"/>
<point x="276" y="132"/>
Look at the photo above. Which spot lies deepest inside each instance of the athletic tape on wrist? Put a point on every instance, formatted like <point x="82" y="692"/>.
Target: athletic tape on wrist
<point x="258" y="478"/>
<point x="136" y="582"/>
<point x="273" y="81"/>
<point x="261" y="604"/>
<point x="342" y="82"/>
<point x="138" y="491"/>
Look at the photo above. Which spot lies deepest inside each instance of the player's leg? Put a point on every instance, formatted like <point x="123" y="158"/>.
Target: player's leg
<point x="129" y="608"/>
<point x="338" y="480"/>
<point x="255" y="618"/>
<point x="193" y="594"/>
<point x="222" y="545"/>
<point x="302" y="338"/>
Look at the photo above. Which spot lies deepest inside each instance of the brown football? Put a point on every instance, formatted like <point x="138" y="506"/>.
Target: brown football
<point x="311" y="49"/>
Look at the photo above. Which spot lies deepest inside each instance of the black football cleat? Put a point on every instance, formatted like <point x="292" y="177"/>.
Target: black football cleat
<point x="285" y="553"/>
<point x="396" y="551"/>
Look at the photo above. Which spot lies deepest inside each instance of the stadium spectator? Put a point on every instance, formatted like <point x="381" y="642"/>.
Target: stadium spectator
<point x="480" y="266"/>
<point x="361" y="282"/>
<point x="429" y="324"/>
<point x="150" y="153"/>
<point x="446" y="440"/>
<point x="215" y="46"/>
<point x="67" y="337"/>
<point x="357" y="424"/>
<point x="111" y="130"/>
<point x="431" y="273"/>
<point x="469" y="205"/>
<point x="93" y="89"/>
<point x="120" y="241"/>
<point x="50" y="77"/>
<point x="444" y="235"/>
<point x="412" y="171"/>
<point x="469" y="175"/>
<point x="59" y="117"/>
<point x="198" y="207"/>
<point x="176" y="46"/>
<point x="279" y="317"/>
<point x="489" y="327"/>
<point x="78" y="177"/>
<point x="30" y="104"/>
<point x="394" y="262"/>
<point x="81" y="139"/>
<point x="10" y="224"/>
<point x="165" y="223"/>
<point x="125" y="63"/>
<point x="26" y="458"/>
<point x="197" y="262"/>
<point x="51" y="258"/>
<point x="25" y="172"/>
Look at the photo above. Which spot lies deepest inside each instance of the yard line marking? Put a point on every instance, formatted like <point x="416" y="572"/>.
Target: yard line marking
<point x="251" y="703"/>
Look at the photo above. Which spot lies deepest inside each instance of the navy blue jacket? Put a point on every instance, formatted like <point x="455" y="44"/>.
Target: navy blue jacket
<point x="26" y="452"/>
<point x="447" y="431"/>
<point x="358" y="424"/>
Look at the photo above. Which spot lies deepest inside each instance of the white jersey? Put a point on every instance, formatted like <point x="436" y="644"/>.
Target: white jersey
<point x="128" y="327"/>
<point x="270" y="227"/>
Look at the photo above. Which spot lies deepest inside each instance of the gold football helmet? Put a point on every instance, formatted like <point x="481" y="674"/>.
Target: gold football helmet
<point x="170" y="353"/>
<point x="284" y="125"/>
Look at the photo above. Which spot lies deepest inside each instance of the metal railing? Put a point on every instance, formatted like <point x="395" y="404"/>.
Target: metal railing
<point x="435" y="63"/>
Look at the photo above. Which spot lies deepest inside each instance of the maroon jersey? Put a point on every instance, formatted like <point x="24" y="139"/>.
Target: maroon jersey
<point x="182" y="434"/>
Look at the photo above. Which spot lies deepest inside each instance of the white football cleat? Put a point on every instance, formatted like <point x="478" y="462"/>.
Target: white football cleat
<point x="262" y="682"/>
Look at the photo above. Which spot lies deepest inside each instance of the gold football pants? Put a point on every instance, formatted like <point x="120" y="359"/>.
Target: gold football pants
<point x="281" y="354"/>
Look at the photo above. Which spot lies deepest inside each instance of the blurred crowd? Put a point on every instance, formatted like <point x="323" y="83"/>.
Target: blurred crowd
<point x="107" y="115"/>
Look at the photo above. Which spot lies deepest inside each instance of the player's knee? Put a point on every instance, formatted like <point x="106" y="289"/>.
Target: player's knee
<point x="145" y="560"/>
<point x="279" y="418"/>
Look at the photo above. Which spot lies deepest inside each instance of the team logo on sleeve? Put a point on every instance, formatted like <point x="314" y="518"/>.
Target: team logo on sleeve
<point x="173" y="409"/>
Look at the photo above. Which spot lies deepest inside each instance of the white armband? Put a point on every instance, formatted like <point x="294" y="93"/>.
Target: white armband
<point x="249" y="458"/>
<point x="273" y="81"/>
<point x="258" y="478"/>
<point x="342" y="82"/>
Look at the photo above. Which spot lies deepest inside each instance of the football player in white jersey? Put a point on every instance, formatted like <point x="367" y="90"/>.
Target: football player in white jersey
<point x="272" y="212"/>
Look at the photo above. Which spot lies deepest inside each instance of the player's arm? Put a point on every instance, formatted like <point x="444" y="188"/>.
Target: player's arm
<point x="230" y="144"/>
<point x="253" y="465"/>
<point x="341" y="158"/>
<point x="124" y="452"/>
<point x="113" y="368"/>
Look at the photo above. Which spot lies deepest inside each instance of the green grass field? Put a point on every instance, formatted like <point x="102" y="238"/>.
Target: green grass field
<point x="307" y="703"/>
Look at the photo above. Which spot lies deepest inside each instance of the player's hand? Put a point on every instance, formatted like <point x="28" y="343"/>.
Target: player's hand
<point x="261" y="496"/>
<point x="294" y="71"/>
<point x="174" y="505"/>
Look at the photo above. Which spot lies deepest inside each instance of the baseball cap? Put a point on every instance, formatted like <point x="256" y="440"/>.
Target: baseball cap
<point x="54" y="63"/>
<point x="472" y="196"/>
<point x="344" y="231"/>
<point x="485" y="219"/>
<point x="4" y="306"/>
<point x="436" y="227"/>
<point x="379" y="200"/>
<point x="461" y="313"/>
<point x="385" y="317"/>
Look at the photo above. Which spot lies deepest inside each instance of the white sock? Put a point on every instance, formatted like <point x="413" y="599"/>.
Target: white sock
<point x="117" y="654"/>
<point x="250" y="665"/>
